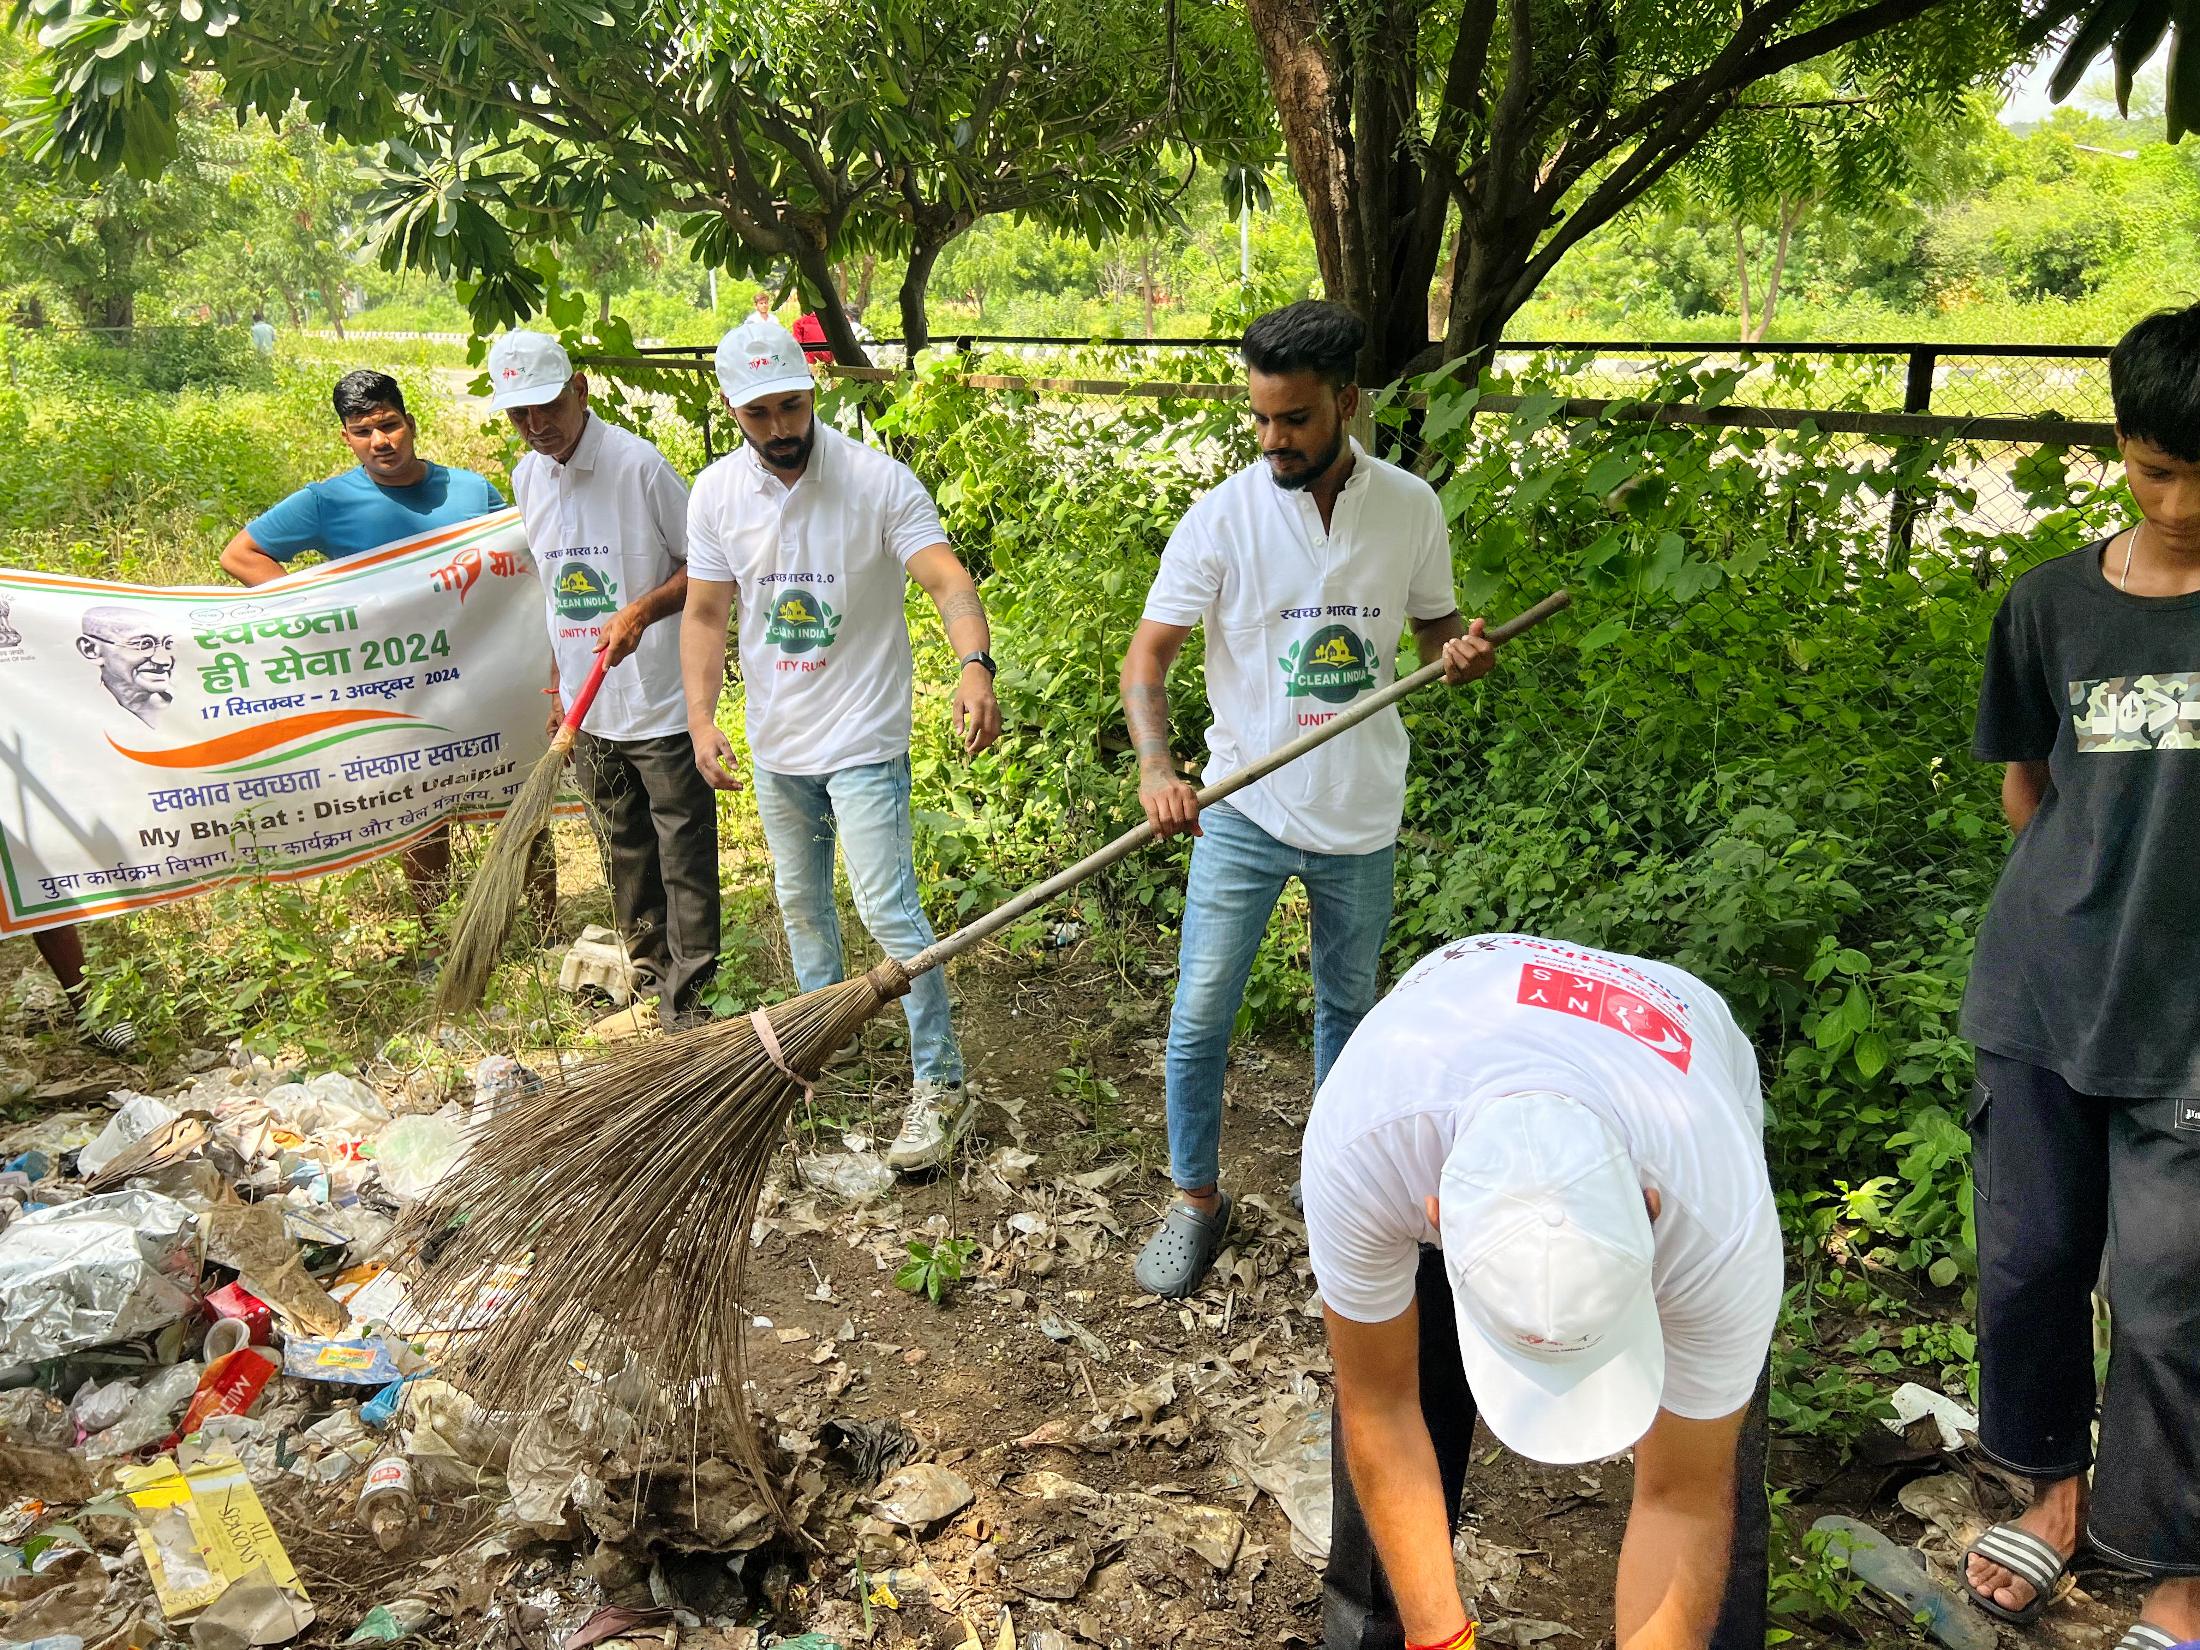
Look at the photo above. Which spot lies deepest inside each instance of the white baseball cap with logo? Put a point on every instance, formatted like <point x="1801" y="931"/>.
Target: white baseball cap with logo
<point x="1548" y="1246"/>
<point x="760" y="358"/>
<point x="527" y="369"/>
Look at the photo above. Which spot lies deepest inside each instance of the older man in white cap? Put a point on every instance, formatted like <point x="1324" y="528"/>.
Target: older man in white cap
<point x="816" y="536"/>
<point x="606" y="518"/>
<point x="1578" y="1135"/>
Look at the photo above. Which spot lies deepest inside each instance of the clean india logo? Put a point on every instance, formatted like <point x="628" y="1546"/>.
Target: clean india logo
<point x="583" y="593"/>
<point x="1334" y="665"/>
<point x="801" y="623"/>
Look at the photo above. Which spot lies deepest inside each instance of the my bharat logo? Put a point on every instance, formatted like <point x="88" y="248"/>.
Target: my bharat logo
<point x="583" y="593"/>
<point x="800" y="623"/>
<point x="1334" y="665"/>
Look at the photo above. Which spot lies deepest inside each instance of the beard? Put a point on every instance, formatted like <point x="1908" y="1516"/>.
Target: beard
<point x="1299" y="478"/>
<point x="792" y="452"/>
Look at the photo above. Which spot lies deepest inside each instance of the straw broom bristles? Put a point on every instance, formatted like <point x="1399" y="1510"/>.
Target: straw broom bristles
<point x="493" y="897"/>
<point x="634" y="1190"/>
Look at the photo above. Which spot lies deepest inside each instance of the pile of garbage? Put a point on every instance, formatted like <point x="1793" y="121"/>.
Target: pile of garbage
<point x="220" y="1417"/>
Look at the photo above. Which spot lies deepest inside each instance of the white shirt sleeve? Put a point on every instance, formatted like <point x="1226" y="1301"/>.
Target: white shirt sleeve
<point x="706" y="552"/>
<point x="1717" y="1336"/>
<point x="912" y="519"/>
<point x="1364" y="1218"/>
<point x="1190" y="577"/>
<point x="1430" y="594"/>
<point x="666" y="495"/>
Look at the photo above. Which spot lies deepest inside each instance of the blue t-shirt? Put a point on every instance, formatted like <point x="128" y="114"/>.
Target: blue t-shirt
<point x="351" y="513"/>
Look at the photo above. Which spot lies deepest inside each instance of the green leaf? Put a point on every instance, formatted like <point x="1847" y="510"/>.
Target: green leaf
<point x="1943" y="1272"/>
<point x="1871" y="1054"/>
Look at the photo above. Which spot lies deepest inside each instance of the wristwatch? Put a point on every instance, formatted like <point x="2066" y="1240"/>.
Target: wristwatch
<point x="982" y="658"/>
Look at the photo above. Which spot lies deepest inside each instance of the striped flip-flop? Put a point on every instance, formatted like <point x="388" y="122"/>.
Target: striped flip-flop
<point x="118" y="1038"/>
<point x="2140" y="1636"/>
<point x="2032" y="1561"/>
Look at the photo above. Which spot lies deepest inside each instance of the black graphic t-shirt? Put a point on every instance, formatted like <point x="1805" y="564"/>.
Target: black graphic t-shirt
<point x="2085" y="960"/>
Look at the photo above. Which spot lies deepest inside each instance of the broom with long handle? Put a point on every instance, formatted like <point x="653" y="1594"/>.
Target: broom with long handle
<point x="493" y="898"/>
<point x="630" y="1193"/>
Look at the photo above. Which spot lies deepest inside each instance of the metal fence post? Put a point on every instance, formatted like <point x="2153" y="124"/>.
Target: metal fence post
<point x="1917" y="397"/>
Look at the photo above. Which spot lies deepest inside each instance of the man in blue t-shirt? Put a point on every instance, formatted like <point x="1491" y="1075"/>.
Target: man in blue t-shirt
<point x="393" y="494"/>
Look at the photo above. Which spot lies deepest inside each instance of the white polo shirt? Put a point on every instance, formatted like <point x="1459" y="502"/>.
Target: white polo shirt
<point x="1653" y="1051"/>
<point x="1300" y="622"/>
<point x="607" y="526"/>
<point x="820" y="570"/>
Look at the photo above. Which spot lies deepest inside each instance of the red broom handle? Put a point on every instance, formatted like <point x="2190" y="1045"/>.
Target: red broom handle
<point x="1142" y="833"/>
<point x="569" y="729"/>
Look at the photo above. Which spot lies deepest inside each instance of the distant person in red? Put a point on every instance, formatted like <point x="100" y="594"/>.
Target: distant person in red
<point x="809" y="332"/>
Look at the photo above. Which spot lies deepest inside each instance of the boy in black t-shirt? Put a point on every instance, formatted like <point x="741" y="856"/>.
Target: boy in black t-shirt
<point x="2085" y="1124"/>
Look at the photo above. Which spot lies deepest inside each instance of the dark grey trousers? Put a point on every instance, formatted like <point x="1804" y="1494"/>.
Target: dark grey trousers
<point x="1357" y="1610"/>
<point x="660" y="818"/>
<point x="2058" y="1179"/>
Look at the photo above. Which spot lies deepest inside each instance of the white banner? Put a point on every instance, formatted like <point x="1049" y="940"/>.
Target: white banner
<point x="156" y="743"/>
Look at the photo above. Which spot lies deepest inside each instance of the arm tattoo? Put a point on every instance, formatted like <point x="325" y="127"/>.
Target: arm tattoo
<point x="1146" y="709"/>
<point x="963" y="604"/>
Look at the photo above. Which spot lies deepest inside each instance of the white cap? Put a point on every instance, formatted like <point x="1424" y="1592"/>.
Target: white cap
<point x="1548" y="1247"/>
<point x="526" y="369"/>
<point x="759" y="358"/>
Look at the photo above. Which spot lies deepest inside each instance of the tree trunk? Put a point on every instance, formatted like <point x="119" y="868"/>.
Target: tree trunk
<point x="863" y="283"/>
<point x="1790" y="215"/>
<point x="816" y="271"/>
<point x="1145" y="281"/>
<point x="603" y="312"/>
<point x="916" y="321"/>
<point x="1317" y="135"/>
<point x="1741" y="276"/>
<point x="116" y="311"/>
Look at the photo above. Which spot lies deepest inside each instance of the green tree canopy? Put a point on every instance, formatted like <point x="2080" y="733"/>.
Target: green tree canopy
<point x="791" y="132"/>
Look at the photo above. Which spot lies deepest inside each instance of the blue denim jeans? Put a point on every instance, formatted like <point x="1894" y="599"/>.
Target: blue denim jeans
<point x="867" y="809"/>
<point x="1238" y="873"/>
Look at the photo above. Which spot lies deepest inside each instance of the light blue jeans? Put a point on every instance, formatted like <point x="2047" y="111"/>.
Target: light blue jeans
<point x="1238" y="873"/>
<point x="867" y="809"/>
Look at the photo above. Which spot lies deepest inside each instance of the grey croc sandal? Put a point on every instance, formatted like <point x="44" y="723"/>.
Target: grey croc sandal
<point x="2032" y="1561"/>
<point x="1177" y="1256"/>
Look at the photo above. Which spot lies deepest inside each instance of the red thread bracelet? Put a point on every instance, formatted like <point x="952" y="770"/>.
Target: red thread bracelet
<point x="1461" y="1640"/>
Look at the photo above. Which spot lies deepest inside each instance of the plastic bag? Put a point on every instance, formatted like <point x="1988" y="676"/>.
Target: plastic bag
<point x="856" y="1176"/>
<point x="140" y="1115"/>
<point x="151" y="1417"/>
<point x="95" y="1408"/>
<point x="413" y="1153"/>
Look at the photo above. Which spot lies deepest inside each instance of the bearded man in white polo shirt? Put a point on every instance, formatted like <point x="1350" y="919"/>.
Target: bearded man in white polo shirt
<point x="606" y="519"/>
<point x="1305" y="570"/>
<point x="1535" y="1188"/>
<point x="817" y="537"/>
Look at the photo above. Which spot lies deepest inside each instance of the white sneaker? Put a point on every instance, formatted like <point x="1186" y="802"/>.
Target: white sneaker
<point x="936" y="1114"/>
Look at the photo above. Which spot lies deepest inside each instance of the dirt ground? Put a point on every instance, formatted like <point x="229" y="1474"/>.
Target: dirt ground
<point x="1110" y="1441"/>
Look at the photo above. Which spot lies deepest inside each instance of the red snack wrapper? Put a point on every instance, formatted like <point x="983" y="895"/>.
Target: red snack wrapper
<point x="230" y="1386"/>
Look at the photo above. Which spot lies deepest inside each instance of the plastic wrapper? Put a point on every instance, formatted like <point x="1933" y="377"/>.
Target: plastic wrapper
<point x="230" y="1386"/>
<point x="201" y="1530"/>
<point x="90" y="1273"/>
<point x="363" y="1362"/>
